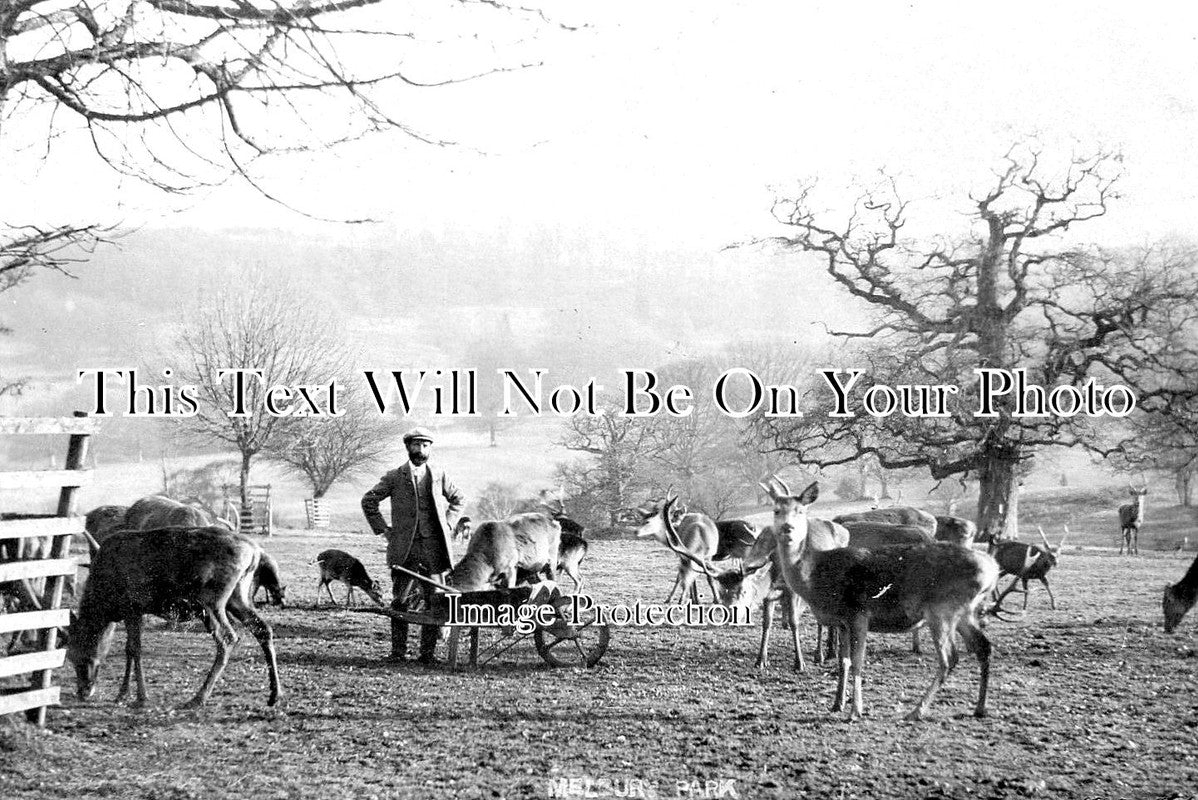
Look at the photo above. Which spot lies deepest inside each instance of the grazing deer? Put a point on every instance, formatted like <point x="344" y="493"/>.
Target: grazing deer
<point x="893" y="515"/>
<point x="1179" y="598"/>
<point x="1027" y="562"/>
<point x="888" y="590"/>
<point x="146" y="572"/>
<point x="338" y="565"/>
<point x="498" y="548"/>
<point x="1131" y="517"/>
<point x="268" y="577"/>
<point x="696" y="532"/>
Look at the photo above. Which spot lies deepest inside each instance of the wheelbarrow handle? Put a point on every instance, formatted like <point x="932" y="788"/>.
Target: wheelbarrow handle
<point x="426" y="579"/>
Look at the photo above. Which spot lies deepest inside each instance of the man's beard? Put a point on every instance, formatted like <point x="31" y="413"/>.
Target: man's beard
<point x="417" y="458"/>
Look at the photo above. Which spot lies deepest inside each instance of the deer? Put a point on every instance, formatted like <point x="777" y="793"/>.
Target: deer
<point x="956" y="529"/>
<point x="1179" y="597"/>
<point x="573" y="548"/>
<point x="892" y="515"/>
<point x="1131" y="517"/>
<point x="1026" y="562"/>
<point x="738" y="586"/>
<point x="462" y="529"/>
<point x="697" y="533"/>
<point x="498" y="548"/>
<point x="268" y="577"/>
<point x="888" y="590"/>
<point x="338" y="565"/>
<point x="737" y="537"/>
<point x="146" y="572"/>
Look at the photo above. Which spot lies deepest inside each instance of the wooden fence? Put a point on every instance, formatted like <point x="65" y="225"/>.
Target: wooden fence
<point x="35" y="549"/>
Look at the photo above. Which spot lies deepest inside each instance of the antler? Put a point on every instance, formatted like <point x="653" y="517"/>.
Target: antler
<point x="1044" y="539"/>
<point x="675" y="543"/>
<point x="785" y="489"/>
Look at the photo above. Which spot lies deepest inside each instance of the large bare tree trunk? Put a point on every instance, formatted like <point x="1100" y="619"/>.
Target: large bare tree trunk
<point x="998" y="495"/>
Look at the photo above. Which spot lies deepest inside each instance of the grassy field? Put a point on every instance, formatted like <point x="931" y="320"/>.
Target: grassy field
<point x="1089" y="700"/>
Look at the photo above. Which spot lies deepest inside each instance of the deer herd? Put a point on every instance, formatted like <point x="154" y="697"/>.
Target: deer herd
<point x="886" y="570"/>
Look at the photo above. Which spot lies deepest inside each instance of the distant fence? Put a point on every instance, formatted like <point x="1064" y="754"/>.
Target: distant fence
<point x="317" y="511"/>
<point x="35" y="562"/>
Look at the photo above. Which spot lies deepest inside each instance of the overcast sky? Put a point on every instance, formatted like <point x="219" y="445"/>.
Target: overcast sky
<point x="673" y="120"/>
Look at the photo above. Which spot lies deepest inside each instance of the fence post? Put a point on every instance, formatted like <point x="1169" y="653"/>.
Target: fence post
<point x="61" y="548"/>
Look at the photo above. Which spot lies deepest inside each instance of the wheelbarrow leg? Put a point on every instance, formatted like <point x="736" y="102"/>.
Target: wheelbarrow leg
<point x="452" y="656"/>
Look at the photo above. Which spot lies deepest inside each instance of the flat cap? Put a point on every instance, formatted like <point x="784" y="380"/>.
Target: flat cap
<point x="418" y="435"/>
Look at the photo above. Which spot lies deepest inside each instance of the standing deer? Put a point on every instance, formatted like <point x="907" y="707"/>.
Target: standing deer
<point x="696" y="532"/>
<point x="1027" y="562"/>
<point x="888" y="590"/>
<point x="738" y="588"/>
<point x="146" y="572"/>
<point x="1131" y="517"/>
<point x="1180" y="597"/>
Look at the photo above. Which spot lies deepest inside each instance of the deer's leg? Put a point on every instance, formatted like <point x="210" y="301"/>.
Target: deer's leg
<point x="942" y="639"/>
<point x="915" y="648"/>
<point x="133" y="648"/>
<point x="715" y="597"/>
<point x="857" y="631"/>
<point x="248" y="617"/>
<point x="793" y="609"/>
<point x="1009" y="589"/>
<point x="677" y="583"/>
<point x="689" y="593"/>
<point x="225" y="637"/>
<point x="349" y="595"/>
<point x="842" y="680"/>
<point x="130" y="637"/>
<point x="1123" y="540"/>
<point x="977" y="643"/>
<point x="1024" y="593"/>
<point x="1052" y="600"/>
<point x="767" y="621"/>
<point x="332" y="599"/>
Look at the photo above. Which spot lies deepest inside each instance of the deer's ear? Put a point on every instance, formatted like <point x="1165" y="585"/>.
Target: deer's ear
<point x="810" y="494"/>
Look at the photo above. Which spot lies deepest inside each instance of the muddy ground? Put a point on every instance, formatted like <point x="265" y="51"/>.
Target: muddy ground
<point x="1089" y="700"/>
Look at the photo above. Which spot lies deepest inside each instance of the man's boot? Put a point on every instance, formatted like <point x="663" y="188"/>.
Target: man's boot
<point x="428" y="643"/>
<point x="399" y="641"/>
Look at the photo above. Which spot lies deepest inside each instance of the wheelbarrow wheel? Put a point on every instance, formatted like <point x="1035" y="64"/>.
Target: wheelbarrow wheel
<point x="572" y="646"/>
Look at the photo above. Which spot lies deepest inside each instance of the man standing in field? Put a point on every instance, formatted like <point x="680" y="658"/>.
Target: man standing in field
<point x="423" y="500"/>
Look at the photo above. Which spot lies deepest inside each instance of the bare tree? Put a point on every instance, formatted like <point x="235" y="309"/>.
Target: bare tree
<point x="1167" y="442"/>
<point x="620" y="446"/>
<point x="326" y="449"/>
<point x="1010" y="292"/>
<point x="27" y="249"/>
<point x="183" y="94"/>
<point x="259" y="326"/>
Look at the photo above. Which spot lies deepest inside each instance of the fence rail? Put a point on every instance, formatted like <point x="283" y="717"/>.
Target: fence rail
<point x="31" y="561"/>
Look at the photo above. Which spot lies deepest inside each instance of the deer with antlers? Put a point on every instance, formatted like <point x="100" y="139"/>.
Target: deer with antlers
<point x="1131" y="517"/>
<point x="695" y="532"/>
<point x="1027" y="562"/>
<point x="888" y="590"/>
